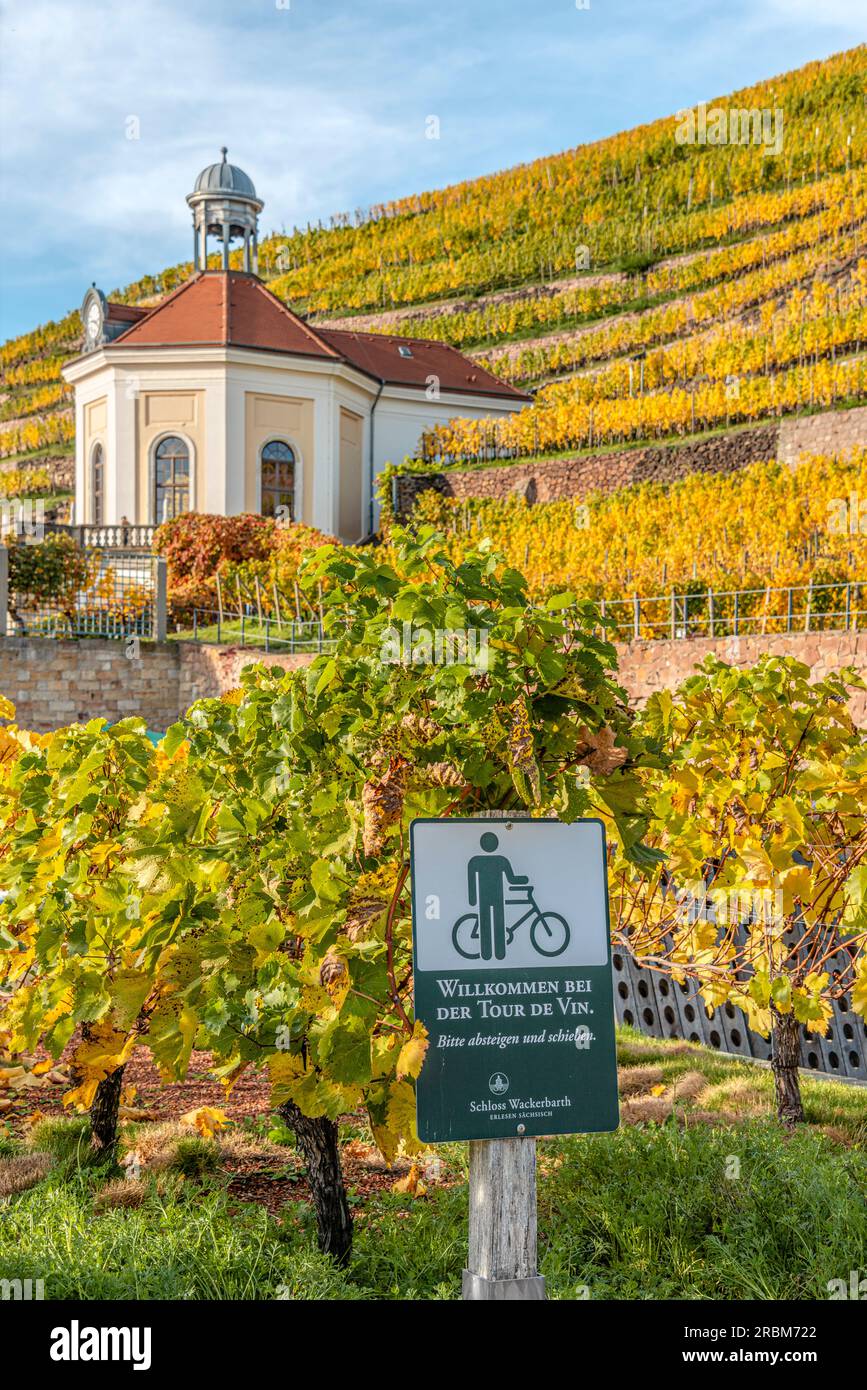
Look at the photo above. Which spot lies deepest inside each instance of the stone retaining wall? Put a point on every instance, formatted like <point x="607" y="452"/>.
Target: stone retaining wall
<point x="65" y="682"/>
<point x="56" y="683"/>
<point x="647" y="666"/>
<point x="555" y="478"/>
<point x="207" y="671"/>
<point x="547" y="481"/>
<point x="829" y="433"/>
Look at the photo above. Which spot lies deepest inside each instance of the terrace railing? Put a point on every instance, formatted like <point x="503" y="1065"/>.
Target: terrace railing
<point x="737" y="612"/>
<point x="123" y="536"/>
<point x="247" y="629"/>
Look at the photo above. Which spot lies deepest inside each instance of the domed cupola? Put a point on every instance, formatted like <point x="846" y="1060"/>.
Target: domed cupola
<point x="225" y="205"/>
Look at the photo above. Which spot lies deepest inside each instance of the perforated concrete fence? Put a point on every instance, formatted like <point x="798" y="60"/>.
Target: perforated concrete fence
<point x="662" y="1008"/>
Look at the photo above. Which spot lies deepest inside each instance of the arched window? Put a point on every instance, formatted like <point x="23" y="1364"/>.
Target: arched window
<point x="97" y="485"/>
<point x="171" y="479"/>
<point x="277" y="477"/>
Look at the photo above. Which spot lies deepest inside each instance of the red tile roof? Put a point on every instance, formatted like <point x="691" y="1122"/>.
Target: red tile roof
<point x="413" y="361"/>
<point x="221" y="309"/>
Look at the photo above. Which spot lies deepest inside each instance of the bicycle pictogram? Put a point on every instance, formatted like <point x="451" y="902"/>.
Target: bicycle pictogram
<point x="485" y="933"/>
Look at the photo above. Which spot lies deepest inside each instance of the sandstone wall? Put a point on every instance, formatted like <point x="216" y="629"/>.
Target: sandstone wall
<point x="832" y="432"/>
<point x="206" y="671"/>
<point x="648" y="666"/>
<point x="64" y="682"/>
<point x="56" y="683"/>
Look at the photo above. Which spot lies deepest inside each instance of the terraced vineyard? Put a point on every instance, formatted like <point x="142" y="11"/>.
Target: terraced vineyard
<point x="644" y="288"/>
<point x="763" y="528"/>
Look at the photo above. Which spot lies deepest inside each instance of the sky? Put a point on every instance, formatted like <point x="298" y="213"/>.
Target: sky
<point x="109" y="109"/>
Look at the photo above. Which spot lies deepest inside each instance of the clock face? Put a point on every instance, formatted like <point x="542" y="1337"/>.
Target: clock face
<point x="94" y="321"/>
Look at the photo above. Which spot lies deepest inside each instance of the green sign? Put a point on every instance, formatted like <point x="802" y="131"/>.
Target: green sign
<point x="512" y="971"/>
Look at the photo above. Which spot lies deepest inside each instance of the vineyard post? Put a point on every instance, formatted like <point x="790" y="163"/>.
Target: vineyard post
<point x="502" y="1258"/>
<point x="160" y="599"/>
<point x="4" y="588"/>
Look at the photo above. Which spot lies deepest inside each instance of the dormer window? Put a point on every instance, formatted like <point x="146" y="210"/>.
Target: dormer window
<point x="405" y="351"/>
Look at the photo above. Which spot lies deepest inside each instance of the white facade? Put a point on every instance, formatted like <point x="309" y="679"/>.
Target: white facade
<point x="122" y="394"/>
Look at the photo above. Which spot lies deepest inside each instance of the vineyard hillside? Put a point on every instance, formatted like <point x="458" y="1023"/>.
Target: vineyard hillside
<point x="646" y="287"/>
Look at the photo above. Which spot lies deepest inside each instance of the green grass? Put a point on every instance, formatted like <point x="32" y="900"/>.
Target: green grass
<point x="740" y="1086"/>
<point x="654" y="1211"/>
<point x="254" y="635"/>
<point x="643" y="1213"/>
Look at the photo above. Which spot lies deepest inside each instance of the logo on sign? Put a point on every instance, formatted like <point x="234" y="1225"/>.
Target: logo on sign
<point x="498" y="1084"/>
<point x="486" y="933"/>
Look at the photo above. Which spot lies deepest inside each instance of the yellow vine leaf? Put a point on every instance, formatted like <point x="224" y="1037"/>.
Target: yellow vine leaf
<point x="412" y="1054"/>
<point x="206" y="1120"/>
<point x="96" y="1058"/>
<point x="412" y="1184"/>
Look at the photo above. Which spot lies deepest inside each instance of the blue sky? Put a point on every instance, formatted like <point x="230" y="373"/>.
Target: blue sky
<point x="324" y="103"/>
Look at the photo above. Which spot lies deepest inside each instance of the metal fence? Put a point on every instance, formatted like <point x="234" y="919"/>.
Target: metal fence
<point x="246" y="628"/>
<point x="123" y="595"/>
<point x="738" y="612"/>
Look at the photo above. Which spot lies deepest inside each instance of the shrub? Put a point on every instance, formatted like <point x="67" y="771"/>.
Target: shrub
<point x="197" y="544"/>
<point x="241" y="549"/>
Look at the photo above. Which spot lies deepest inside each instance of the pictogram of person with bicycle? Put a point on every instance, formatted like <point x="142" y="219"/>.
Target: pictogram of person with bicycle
<point x="485" y="934"/>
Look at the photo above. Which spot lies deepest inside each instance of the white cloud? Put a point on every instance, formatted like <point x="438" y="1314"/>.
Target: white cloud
<point x="324" y="105"/>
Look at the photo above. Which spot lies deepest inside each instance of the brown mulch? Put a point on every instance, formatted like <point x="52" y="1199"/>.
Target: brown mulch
<point x="275" y="1183"/>
<point x="249" y="1097"/>
<point x="271" y="1179"/>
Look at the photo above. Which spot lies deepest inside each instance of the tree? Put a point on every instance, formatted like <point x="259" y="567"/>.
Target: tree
<point x="73" y="945"/>
<point x="300" y="792"/>
<point x="760" y="813"/>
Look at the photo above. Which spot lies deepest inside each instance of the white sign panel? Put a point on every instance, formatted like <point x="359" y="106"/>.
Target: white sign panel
<point x="509" y="894"/>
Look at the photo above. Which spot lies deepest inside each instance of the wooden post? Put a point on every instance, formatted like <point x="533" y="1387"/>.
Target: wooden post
<point x="4" y="589"/>
<point x="809" y="606"/>
<point x="502" y="1255"/>
<point x="277" y="608"/>
<point x="502" y="1245"/>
